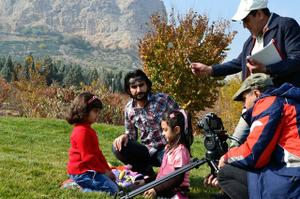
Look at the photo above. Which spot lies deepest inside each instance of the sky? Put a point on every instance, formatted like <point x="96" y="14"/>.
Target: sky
<point x="225" y="9"/>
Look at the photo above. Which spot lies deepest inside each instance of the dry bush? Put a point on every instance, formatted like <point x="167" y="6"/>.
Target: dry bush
<point x="114" y="103"/>
<point x="33" y="98"/>
<point x="226" y="108"/>
<point x="4" y="91"/>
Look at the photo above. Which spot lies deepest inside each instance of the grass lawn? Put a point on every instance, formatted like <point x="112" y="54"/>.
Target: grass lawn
<point x="34" y="153"/>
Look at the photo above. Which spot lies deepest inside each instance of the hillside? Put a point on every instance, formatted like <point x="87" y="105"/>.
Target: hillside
<point x="104" y="33"/>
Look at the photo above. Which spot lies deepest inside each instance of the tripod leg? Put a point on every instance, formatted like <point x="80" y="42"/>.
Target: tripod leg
<point x="195" y="163"/>
<point x="214" y="167"/>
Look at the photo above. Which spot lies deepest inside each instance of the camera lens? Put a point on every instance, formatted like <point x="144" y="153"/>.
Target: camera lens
<point x="209" y="143"/>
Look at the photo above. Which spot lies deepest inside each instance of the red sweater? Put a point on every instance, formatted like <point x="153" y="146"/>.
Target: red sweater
<point x="84" y="153"/>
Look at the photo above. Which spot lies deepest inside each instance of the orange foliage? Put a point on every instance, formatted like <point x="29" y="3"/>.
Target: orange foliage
<point x="4" y="90"/>
<point x="226" y="108"/>
<point x="33" y="98"/>
<point x="165" y="50"/>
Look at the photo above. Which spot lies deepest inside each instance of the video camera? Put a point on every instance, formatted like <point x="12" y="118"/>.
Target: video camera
<point x="214" y="139"/>
<point x="215" y="143"/>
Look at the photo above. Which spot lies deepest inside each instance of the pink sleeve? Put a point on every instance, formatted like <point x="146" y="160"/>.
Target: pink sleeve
<point x="181" y="157"/>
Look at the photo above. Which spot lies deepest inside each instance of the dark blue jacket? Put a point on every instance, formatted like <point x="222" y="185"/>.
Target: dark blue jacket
<point x="286" y="33"/>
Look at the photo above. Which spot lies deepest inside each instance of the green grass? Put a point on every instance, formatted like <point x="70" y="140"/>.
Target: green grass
<point x="34" y="153"/>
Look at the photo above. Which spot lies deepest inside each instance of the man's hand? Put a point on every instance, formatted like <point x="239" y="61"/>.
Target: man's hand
<point x="150" y="193"/>
<point x="110" y="174"/>
<point x="255" y="66"/>
<point x="120" y="141"/>
<point x="221" y="162"/>
<point x="211" y="180"/>
<point x="201" y="69"/>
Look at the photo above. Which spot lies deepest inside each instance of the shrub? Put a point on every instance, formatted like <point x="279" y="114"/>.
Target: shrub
<point x="165" y="50"/>
<point x="114" y="103"/>
<point x="33" y="98"/>
<point x="4" y="90"/>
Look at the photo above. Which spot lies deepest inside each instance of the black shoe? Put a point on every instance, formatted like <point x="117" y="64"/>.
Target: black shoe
<point x="149" y="179"/>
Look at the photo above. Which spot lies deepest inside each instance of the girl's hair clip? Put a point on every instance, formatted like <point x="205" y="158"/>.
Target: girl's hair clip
<point x="172" y="115"/>
<point x="92" y="99"/>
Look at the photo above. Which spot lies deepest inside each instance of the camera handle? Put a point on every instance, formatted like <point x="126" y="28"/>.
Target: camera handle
<point x="194" y="163"/>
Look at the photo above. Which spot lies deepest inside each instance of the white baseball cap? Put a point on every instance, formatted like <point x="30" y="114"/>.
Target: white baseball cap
<point x="246" y="6"/>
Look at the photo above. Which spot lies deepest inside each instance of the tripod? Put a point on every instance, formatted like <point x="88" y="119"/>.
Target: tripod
<point x="195" y="163"/>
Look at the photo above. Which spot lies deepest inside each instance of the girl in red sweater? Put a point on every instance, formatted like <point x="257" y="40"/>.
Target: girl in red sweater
<point x="87" y="165"/>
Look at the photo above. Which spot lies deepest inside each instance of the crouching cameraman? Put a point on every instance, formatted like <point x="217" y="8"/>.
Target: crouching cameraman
<point x="267" y="164"/>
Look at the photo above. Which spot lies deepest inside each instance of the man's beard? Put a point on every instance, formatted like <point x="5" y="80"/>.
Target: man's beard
<point x="141" y="96"/>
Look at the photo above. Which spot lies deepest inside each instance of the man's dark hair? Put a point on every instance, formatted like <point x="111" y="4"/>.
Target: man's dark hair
<point x="81" y="107"/>
<point x="134" y="74"/>
<point x="266" y="12"/>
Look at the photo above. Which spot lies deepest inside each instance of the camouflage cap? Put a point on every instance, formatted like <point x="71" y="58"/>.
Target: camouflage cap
<point x="257" y="80"/>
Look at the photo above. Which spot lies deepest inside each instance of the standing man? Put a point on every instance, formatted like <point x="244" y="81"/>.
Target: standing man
<point x="264" y="26"/>
<point x="143" y="115"/>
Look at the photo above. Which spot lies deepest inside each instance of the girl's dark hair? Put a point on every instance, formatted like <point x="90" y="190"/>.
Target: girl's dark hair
<point x="81" y="106"/>
<point x="176" y="118"/>
<point x="134" y="74"/>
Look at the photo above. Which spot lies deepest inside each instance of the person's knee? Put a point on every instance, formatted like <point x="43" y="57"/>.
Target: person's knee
<point x="103" y="183"/>
<point x="222" y="175"/>
<point x="113" y="188"/>
<point x="117" y="153"/>
<point x="124" y="148"/>
<point x="114" y="150"/>
<point x="121" y="155"/>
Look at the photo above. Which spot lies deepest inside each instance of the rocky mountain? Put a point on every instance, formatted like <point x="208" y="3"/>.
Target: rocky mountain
<point x="101" y="32"/>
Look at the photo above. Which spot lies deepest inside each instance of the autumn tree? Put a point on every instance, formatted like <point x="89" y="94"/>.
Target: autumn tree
<point x="165" y="51"/>
<point x="29" y="62"/>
